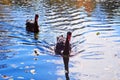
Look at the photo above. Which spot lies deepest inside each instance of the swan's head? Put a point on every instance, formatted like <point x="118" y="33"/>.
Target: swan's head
<point x="36" y="16"/>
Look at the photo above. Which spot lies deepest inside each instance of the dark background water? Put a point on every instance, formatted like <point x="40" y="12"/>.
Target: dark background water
<point x="95" y="27"/>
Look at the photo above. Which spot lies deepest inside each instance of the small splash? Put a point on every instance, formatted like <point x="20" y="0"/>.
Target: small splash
<point x="14" y="65"/>
<point x="20" y="77"/>
<point x="7" y="77"/>
<point x="36" y="52"/>
<point x="33" y="71"/>
<point x="59" y="79"/>
<point x="35" y="59"/>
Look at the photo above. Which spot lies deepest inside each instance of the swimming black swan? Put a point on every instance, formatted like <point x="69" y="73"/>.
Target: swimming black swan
<point x="33" y="26"/>
<point x="63" y="46"/>
<point x="66" y="54"/>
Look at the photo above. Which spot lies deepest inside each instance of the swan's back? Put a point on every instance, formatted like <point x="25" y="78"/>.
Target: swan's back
<point x="30" y="25"/>
<point x="60" y="45"/>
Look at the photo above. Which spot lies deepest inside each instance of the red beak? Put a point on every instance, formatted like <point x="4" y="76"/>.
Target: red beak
<point x="69" y="37"/>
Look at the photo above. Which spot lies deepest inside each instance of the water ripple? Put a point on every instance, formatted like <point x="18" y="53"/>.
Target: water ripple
<point x="95" y="39"/>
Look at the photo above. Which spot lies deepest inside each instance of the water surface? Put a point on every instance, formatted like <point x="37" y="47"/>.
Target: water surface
<point x="95" y="28"/>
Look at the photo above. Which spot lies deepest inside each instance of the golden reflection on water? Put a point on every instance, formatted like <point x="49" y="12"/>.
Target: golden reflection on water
<point x="89" y="5"/>
<point x="5" y="2"/>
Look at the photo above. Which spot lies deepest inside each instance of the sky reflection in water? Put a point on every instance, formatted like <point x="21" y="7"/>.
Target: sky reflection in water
<point x="95" y="40"/>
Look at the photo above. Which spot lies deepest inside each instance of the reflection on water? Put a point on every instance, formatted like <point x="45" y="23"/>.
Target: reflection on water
<point x="95" y="41"/>
<point x="6" y="2"/>
<point x="66" y="66"/>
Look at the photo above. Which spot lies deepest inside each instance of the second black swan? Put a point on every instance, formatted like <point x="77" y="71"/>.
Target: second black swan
<point x="32" y="26"/>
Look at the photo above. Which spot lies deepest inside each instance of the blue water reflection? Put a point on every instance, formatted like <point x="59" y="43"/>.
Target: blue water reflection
<point x="95" y="28"/>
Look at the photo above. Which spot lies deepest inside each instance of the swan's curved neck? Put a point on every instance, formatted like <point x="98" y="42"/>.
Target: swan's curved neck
<point x="36" y="19"/>
<point x="67" y="45"/>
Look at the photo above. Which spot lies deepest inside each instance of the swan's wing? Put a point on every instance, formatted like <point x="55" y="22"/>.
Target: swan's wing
<point x="61" y="39"/>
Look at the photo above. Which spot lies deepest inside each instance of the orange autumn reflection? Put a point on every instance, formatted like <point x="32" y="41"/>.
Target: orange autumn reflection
<point x="5" y="2"/>
<point x="89" y="5"/>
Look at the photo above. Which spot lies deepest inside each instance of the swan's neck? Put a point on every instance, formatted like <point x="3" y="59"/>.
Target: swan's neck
<point x="36" y="27"/>
<point x="36" y="21"/>
<point x="67" y="45"/>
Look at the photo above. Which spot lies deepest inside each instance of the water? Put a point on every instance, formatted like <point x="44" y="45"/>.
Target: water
<point x="95" y="28"/>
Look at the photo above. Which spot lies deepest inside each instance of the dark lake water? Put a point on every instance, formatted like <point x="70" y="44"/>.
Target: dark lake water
<point x="95" y="41"/>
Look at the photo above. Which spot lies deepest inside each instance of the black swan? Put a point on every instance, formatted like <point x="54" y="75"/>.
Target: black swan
<point x="63" y="46"/>
<point x="33" y="26"/>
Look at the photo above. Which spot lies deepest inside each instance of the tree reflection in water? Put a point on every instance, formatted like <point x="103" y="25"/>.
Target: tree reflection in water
<point x="6" y="2"/>
<point x="89" y="5"/>
<point x="111" y="6"/>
